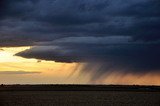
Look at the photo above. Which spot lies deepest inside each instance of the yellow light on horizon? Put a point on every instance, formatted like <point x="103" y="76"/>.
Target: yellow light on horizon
<point x="7" y="54"/>
<point x="53" y="72"/>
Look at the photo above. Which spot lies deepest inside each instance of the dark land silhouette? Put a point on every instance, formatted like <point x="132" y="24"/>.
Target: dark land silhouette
<point x="79" y="95"/>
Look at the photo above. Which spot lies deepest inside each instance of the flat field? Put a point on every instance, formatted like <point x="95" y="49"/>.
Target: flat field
<point x="73" y="97"/>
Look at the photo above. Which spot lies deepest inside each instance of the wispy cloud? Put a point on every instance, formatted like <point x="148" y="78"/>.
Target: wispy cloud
<point x="1" y="50"/>
<point x="18" y="72"/>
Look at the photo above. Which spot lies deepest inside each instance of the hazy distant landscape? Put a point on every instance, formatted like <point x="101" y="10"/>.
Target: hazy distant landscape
<point x="79" y="95"/>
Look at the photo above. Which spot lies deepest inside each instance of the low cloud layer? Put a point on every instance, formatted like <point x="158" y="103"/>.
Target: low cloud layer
<point x="119" y="53"/>
<point x="18" y="72"/>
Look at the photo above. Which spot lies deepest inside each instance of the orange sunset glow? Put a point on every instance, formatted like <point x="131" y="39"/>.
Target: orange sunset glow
<point x="49" y="72"/>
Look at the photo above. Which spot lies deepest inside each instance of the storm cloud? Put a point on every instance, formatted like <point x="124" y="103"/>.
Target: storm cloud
<point x="26" y="22"/>
<point x="114" y="34"/>
<point x="118" y="53"/>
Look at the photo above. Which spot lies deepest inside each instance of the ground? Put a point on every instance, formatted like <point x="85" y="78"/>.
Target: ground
<point x="79" y="98"/>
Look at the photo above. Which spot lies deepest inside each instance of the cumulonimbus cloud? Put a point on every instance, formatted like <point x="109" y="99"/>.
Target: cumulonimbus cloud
<point x="118" y="34"/>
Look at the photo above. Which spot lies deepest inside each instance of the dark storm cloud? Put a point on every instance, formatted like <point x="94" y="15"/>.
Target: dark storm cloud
<point x="118" y="34"/>
<point x="116" y="54"/>
<point x="18" y="72"/>
<point x="25" y="22"/>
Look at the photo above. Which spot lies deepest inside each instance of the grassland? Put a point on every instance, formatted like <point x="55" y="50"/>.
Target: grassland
<point x="74" y="95"/>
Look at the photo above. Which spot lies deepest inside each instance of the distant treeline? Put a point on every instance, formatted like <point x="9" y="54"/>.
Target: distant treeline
<point x="78" y="88"/>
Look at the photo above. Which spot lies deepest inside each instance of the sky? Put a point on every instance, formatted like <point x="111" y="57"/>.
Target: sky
<point x="80" y="42"/>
